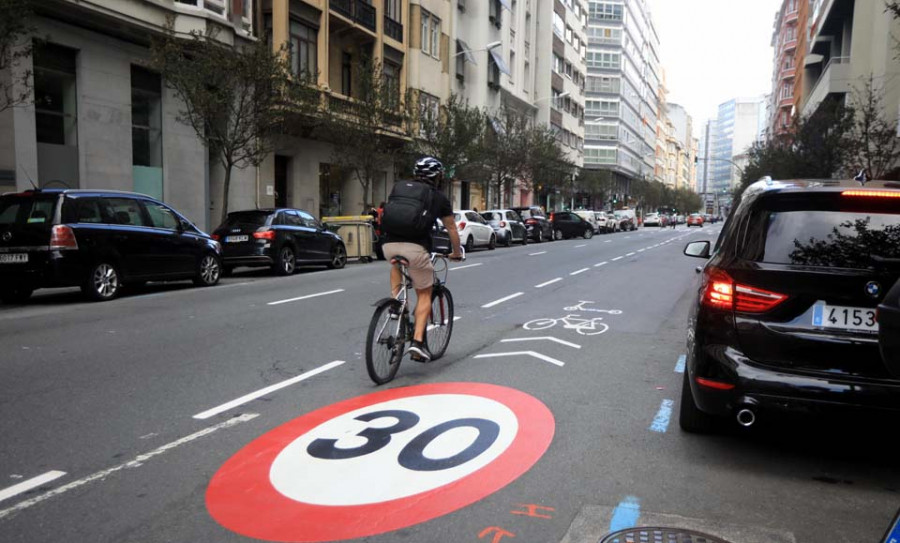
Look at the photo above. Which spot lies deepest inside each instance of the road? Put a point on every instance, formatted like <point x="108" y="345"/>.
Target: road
<point x="120" y="416"/>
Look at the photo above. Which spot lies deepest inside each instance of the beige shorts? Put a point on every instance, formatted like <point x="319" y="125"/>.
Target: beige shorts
<point x="421" y="271"/>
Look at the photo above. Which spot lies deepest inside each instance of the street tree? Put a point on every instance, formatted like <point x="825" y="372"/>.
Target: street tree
<point x="504" y="152"/>
<point x="238" y="99"/>
<point x="545" y="163"/>
<point x="453" y="133"/>
<point x="368" y="130"/>
<point x="16" y="44"/>
<point x="875" y="146"/>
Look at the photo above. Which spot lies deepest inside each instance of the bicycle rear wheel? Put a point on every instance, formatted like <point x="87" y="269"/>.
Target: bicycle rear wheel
<point x="384" y="342"/>
<point x="440" y="322"/>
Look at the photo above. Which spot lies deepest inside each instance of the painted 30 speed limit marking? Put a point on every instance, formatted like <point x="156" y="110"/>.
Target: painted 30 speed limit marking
<point x="380" y="462"/>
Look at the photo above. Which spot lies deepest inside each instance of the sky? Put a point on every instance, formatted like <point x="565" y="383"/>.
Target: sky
<point x="714" y="50"/>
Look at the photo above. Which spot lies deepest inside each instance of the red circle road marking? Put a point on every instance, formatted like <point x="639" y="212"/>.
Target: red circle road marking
<point x="241" y="497"/>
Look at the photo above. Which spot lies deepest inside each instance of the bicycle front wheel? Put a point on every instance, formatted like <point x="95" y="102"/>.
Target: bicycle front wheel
<point x="385" y="341"/>
<point x="440" y="322"/>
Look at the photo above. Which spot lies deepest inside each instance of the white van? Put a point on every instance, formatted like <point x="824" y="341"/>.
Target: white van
<point x="590" y="217"/>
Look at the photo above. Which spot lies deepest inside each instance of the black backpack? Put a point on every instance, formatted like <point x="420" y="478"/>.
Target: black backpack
<point x="408" y="210"/>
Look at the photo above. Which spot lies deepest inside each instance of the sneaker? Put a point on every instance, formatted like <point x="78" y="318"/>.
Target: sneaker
<point x="418" y="351"/>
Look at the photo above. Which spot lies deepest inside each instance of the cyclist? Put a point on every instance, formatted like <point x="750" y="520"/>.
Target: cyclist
<point x="411" y="206"/>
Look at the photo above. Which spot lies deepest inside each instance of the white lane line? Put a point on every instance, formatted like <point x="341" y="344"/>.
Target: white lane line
<point x="582" y="270"/>
<point x="501" y="300"/>
<point x="608" y="241"/>
<point x="540" y="253"/>
<point x="601" y="264"/>
<point x="524" y="353"/>
<point x="630" y="254"/>
<point x="34" y="482"/>
<point x="641" y="250"/>
<point x="580" y="246"/>
<point x="137" y="462"/>
<point x="265" y="391"/>
<point x="308" y="296"/>
<point x="466" y="266"/>
<point x="618" y="258"/>
<point x="433" y="326"/>
<point x="542" y="338"/>
<point x="542" y="285"/>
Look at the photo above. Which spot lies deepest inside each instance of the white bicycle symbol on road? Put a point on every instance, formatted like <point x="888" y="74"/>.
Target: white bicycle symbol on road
<point x="580" y="307"/>
<point x="585" y="327"/>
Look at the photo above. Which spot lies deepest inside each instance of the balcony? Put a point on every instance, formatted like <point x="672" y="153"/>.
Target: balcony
<point x="393" y="29"/>
<point x="788" y="73"/>
<point x="789" y="45"/>
<point x="358" y="11"/>
<point x="792" y="16"/>
<point x="835" y="79"/>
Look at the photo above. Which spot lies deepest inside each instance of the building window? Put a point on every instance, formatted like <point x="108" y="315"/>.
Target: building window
<point x="601" y="131"/>
<point x="569" y="34"/>
<point x="429" y="109"/>
<point x="346" y="74"/>
<point x="600" y="59"/>
<point x="495" y="12"/>
<point x="390" y="73"/>
<point x="600" y="11"/>
<point x="527" y="76"/>
<point x="392" y="9"/>
<point x="559" y="27"/>
<point x="146" y="132"/>
<point x="304" y="49"/>
<point x="55" y="95"/>
<point x="431" y="35"/>
<point x="599" y="155"/>
<point x="512" y="66"/>
<point x="568" y="69"/>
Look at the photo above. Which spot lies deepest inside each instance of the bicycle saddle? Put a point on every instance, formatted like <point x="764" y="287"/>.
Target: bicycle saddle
<point x="399" y="260"/>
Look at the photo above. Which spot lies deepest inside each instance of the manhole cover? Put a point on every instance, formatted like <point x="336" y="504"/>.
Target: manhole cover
<point x="660" y="535"/>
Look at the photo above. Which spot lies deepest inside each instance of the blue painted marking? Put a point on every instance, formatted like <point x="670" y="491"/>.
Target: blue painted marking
<point x="626" y="514"/>
<point x="894" y="536"/>
<point x="661" y="420"/>
<point x="818" y="313"/>
<point x="679" y="367"/>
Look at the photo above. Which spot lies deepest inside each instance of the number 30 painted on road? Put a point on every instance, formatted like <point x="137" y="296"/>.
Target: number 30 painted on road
<point x="380" y="462"/>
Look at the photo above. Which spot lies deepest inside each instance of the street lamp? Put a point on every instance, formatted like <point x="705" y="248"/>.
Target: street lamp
<point x="557" y="97"/>
<point x="488" y="47"/>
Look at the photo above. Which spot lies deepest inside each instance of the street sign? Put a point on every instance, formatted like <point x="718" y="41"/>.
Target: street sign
<point x="380" y="462"/>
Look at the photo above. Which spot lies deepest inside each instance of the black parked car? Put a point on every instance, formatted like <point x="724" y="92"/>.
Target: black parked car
<point x="567" y="225"/>
<point x="98" y="240"/>
<point x="889" y="329"/>
<point x="280" y="238"/>
<point x="537" y="224"/>
<point x="785" y="317"/>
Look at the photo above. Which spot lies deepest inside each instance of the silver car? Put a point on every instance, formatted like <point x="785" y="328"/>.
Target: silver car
<point x="508" y="225"/>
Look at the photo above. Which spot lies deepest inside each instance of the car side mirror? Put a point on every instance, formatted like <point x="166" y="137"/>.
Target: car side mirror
<point x="323" y="226"/>
<point x="697" y="249"/>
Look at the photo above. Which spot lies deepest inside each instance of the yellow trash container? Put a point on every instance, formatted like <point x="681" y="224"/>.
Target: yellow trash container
<point x="357" y="233"/>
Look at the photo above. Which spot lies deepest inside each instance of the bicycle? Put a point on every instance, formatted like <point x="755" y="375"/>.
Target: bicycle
<point x="580" y="307"/>
<point x="392" y="326"/>
<point x="585" y="327"/>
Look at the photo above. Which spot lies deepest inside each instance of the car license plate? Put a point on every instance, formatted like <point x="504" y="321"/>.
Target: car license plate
<point x="236" y="239"/>
<point x="18" y="258"/>
<point x="844" y="318"/>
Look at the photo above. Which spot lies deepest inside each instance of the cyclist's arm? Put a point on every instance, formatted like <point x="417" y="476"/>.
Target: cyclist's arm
<point x="450" y="225"/>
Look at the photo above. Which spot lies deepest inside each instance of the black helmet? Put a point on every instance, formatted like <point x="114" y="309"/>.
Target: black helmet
<point x="428" y="169"/>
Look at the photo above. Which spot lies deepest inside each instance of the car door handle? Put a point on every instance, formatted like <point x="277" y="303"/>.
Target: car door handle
<point x="698" y="269"/>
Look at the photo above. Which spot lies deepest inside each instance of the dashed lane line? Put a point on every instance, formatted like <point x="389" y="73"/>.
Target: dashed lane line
<point x="466" y="266"/>
<point x="618" y="258"/>
<point x="501" y="300"/>
<point x="550" y="282"/>
<point x="308" y="296"/>
<point x="266" y="391"/>
<point x="34" y="482"/>
<point x="580" y="246"/>
<point x="630" y="254"/>
<point x="582" y="270"/>
<point x="540" y="253"/>
<point x="604" y="263"/>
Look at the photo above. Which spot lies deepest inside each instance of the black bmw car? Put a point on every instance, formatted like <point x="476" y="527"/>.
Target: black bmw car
<point x="278" y="238"/>
<point x="785" y="316"/>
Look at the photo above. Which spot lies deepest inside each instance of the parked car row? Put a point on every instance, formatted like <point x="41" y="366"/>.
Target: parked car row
<point x="102" y="241"/>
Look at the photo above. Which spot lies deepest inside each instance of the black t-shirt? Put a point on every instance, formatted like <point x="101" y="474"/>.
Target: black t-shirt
<point x="440" y="208"/>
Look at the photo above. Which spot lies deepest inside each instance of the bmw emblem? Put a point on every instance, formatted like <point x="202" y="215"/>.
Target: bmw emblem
<point x="7" y="235"/>
<point x="873" y="289"/>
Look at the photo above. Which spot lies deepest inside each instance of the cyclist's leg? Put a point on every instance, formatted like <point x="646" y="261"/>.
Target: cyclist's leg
<point x="391" y="250"/>
<point x="423" y="310"/>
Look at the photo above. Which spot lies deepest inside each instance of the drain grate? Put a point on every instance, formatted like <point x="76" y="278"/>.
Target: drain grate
<point x="660" y="535"/>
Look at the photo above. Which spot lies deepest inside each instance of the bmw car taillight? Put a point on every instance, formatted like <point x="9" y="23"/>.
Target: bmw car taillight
<point x="721" y="292"/>
<point x="216" y="237"/>
<point x="62" y="237"/>
<point x="264" y="234"/>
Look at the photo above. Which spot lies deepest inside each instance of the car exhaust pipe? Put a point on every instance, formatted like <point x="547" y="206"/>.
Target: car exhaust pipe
<point x="746" y="417"/>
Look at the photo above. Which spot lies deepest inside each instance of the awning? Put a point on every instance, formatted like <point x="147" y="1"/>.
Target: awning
<point x="501" y="64"/>
<point x="463" y="49"/>
<point x="506" y="4"/>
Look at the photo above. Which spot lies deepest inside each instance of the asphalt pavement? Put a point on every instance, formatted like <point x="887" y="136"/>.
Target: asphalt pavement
<point x="192" y="414"/>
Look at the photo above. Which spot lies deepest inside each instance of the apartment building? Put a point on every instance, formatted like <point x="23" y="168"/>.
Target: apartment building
<point x="789" y="47"/>
<point x="683" y="135"/>
<point x="740" y="123"/>
<point x="103" y="120"/>
<point x="849" y="42"/>
<point x="622" y="104"/>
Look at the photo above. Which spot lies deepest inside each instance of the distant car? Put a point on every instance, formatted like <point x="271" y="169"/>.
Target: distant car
<point x="508" y="226"/>
<point x="474" y="231"/>
<point x="695" y="219"/>
<point x="652" y="219"/>
<point x="679" y="219"/>
<point x="279" y="238"/>
<point x="590" y="217"/>
<point x="567" y="224"/>
<point x="786" y="315"/>
<point x="612" y="223"/>
<point x="99" y="240"/>
<point x="602" y="221"/>
<point x="538" y="225"/>
<point x="627" y="219"/>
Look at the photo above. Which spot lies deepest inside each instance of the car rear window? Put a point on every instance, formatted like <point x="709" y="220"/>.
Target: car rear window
<point x="824" y="238"/>
<point x="488" y="216"/>
<point x="251" y="218"/>
<point x="20" y="210"/>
